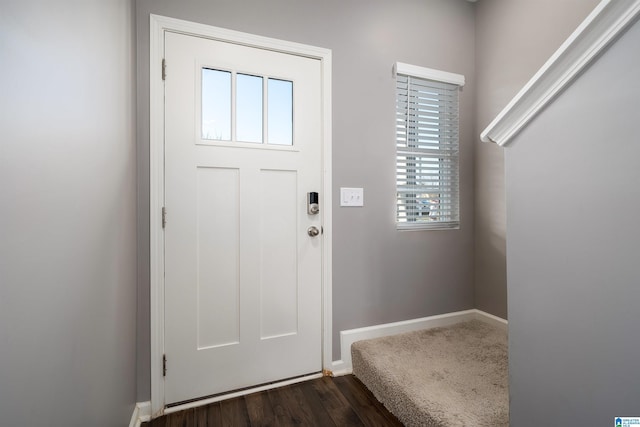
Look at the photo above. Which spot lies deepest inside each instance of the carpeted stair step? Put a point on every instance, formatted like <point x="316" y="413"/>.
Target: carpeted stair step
<point x="450" y="376"/>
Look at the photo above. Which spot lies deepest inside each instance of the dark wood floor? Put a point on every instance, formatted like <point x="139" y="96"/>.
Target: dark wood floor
<point x="340" y="401"/>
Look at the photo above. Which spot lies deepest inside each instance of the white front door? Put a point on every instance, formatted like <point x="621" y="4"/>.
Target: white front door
<point x="242" y="273"/>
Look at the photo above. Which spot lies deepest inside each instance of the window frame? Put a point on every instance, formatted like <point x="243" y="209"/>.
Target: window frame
<point x="446" y="153"/>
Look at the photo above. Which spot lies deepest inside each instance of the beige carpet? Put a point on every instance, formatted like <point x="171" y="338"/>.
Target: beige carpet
<point x="451" y="376"/>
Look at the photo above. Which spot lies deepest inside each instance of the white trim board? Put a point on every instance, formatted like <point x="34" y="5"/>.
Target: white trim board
<point x="348" y="337"/>
<point x="141" y="414"/>
<point x="158" y="26"/>
<point x="608" y="20"/>
<point x="428" y="73"/>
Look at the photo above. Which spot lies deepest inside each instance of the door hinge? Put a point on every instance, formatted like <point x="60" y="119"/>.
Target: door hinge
<point x="164" y="217"/>
<point x="164" y="69"/>
<point x="164" y="365"/>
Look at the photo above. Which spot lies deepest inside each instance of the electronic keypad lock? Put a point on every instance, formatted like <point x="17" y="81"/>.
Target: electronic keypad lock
<point x="313" y="206"/>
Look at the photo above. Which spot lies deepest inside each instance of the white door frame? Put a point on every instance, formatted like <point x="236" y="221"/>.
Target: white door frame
<point x="158" y="26"/>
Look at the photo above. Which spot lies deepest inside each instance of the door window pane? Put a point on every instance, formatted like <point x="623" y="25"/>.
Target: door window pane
<point x="216" y="105"/>
<point x="280" y="112"/>
<point x="249" y="108"/>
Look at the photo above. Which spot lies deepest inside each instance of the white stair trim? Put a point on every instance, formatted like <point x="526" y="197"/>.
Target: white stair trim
<point x="609" y="19"/>
<point x="348" y="337"/>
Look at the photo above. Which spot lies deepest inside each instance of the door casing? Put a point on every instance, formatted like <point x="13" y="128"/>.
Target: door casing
<point x="159" y="25"/>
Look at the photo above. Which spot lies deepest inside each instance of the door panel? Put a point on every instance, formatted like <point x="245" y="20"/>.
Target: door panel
<point x="278" y="253"/>
<point x="242" y="276"/>
<point x="218" y="255"/>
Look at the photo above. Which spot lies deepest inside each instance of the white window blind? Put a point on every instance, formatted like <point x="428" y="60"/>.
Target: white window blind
<point x="427" y="151"/>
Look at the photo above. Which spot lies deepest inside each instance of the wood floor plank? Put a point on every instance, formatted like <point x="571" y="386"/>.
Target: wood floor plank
<point x="324" y="402"/>
<point x="200" y="416"/>
<point x="303" y="413"/>
<point x="369" y="409"/>
<point x="297" y="408"/>
<point x="157" y="422"/>
<point x="259" y="410"/>
<point x="335" y="403"/>
<point x="181" y="419"/>
<point x="320" y="413"/>
<point x="282" y="407"/>
<point x="234" y="413"/>
<point x="214" y="415"/>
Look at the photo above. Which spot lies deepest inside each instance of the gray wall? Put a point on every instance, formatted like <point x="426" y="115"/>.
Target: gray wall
<point x="574" y="249"/>
<point x="67" y="213"/>
<point x="379" y="275"/>
<point x="513" y="40"/>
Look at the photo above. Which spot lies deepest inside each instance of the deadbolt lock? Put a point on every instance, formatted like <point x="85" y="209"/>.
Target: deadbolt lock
<point x="313" y="203"/>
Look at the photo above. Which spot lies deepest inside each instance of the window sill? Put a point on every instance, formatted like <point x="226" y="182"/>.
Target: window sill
<point x="420" y="226"/>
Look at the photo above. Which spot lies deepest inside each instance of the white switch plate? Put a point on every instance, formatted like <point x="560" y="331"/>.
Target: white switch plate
<point x="351" y="196"/>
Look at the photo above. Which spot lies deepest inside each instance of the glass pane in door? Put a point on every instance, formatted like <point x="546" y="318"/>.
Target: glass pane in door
<point x="249" y="108"/>
<point x="216" y="105"/>
<point x="280" y="112"/>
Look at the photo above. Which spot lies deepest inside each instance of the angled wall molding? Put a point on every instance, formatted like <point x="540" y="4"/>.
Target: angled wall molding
<point x="608" y="20"/>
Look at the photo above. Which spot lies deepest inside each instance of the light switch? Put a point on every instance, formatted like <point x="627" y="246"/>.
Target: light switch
<point x="351" y="196"/>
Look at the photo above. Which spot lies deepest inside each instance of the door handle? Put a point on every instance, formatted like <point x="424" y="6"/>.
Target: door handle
<point x="313" y="231"/>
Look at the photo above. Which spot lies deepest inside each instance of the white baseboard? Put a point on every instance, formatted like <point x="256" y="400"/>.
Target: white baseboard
<point x="141" y="414"/>
<point x="348" y="337"/>
<point x="492" y="320"/>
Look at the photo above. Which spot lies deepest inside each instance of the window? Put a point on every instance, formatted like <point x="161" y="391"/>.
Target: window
<point x="234" y="108"/>
<point x="427" y="148"/>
